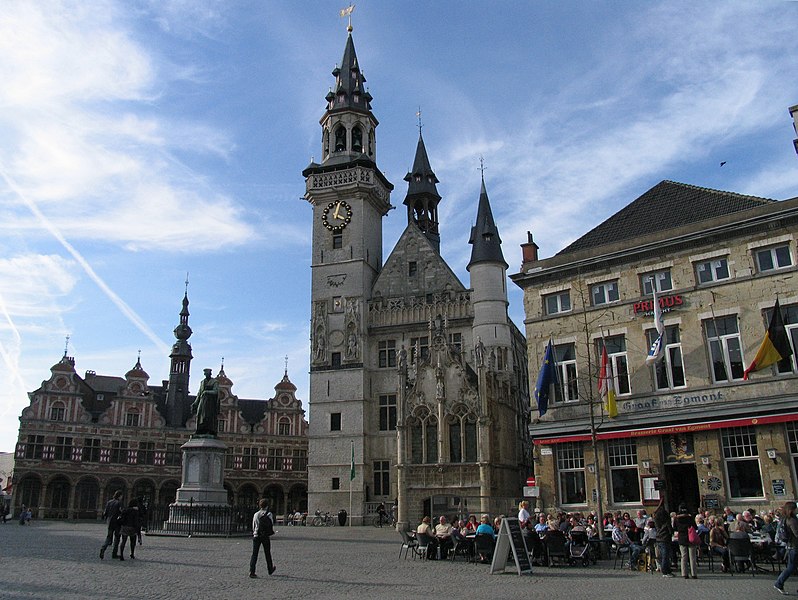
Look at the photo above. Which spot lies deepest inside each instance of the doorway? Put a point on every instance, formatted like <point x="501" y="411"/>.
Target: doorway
<point x="681" y="486"/>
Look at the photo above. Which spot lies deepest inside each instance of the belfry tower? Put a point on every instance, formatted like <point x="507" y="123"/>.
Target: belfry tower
<point x="349" y="196"/>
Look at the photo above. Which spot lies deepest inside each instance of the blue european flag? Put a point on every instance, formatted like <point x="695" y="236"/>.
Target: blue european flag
<point x="546" y="378"/>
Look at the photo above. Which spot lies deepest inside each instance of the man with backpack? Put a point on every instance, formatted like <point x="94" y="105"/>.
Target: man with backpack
<point x="262" y="530"/>
<point x="112" y="510"/>
<point x="788" y="534"/>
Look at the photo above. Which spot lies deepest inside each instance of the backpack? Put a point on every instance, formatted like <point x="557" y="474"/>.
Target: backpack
<point x="265" y="525"/>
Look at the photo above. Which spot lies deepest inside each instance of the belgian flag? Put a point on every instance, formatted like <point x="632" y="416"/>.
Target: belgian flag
<point x="775" y="347"/>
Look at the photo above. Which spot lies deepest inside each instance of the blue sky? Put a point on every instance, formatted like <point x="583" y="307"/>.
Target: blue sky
<point x="143" y="140"/>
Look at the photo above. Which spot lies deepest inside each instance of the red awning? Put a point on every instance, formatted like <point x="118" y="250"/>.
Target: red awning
<point x="668" y="429"/>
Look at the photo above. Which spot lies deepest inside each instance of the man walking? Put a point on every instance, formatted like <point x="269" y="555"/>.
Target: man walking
<point x="262" y="530"/>
<point x="790" y="536"/>
<point x="111" y="512"/>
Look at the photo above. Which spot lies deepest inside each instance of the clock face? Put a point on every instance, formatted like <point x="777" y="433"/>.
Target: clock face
<point x="714" y="483"/>
<point x="336" y="216"/>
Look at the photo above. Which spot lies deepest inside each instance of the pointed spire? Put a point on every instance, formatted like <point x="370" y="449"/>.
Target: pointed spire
<point x="350" y="91"/>
<point x="422" y="195"/>
<point x="485" y="235"/>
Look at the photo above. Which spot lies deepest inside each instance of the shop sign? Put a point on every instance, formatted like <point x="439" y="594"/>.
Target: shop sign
<point x="678" y="447"/>
<point x="673" y="401"/>
<point x="666" y="304"/>
<point x="778" y="487"/>
<point x="546" y="451"/>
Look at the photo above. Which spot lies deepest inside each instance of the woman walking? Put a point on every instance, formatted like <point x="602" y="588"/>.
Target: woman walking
<point x="682" y="523"/>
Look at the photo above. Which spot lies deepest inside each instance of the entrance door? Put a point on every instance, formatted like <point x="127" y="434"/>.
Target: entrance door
<point x="681" y="483"/>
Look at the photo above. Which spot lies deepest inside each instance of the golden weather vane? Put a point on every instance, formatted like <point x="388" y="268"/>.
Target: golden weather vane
<point x="347" y="12"/>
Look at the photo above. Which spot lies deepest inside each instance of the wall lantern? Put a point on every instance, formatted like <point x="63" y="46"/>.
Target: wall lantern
<point x="646" y="464"/>
<point x="591" y="468"/>
<point x="771" y="454"/>
<point x="706" y="459"/>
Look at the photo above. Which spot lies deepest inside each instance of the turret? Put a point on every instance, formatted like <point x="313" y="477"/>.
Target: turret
<point x="488" y="269"/>
<point x="422" y="196"/>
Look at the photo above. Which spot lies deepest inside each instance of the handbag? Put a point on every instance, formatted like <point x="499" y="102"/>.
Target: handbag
<point x="692" y="536"/>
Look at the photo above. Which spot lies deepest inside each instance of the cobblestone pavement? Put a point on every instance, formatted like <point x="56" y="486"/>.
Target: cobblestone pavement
<point x="57" y="560"/>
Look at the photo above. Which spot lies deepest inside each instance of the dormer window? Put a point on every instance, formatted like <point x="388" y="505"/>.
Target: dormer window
<point x="417" y="178"/>
<point x="356" y="98"/>
<point x="341" y="97"/>
<point x="340" y="139"/>
<point x="357" y="139"/>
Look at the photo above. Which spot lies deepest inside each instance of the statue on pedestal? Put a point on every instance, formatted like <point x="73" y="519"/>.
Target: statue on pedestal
<point x="206" y="406"/>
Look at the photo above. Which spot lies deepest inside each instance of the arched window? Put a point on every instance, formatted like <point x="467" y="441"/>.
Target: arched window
<point x="57" y="411"/>
<point x="340" y="138"/>
<point x="357" y="139"/>
<point x="462" y="435"/>
<point x="423" y="437"/>
<point x="371" y="142"/>
<point x="326" y="143"/>
<point x="284" y="426"/>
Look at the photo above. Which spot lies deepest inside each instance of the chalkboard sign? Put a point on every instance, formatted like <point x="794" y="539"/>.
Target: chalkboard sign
<point x="778" y="487"/>
<point x="711" y="501"/>
<point x="510" y="538"/>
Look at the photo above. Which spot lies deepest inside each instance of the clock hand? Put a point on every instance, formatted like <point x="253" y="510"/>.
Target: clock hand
<point x="335" y="212"/>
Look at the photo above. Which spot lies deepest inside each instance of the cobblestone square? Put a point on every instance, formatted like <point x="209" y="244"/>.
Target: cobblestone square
<point x="59" y="560"/>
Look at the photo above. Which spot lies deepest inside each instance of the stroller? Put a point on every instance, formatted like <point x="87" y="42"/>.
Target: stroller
<point x="579" y="548"/>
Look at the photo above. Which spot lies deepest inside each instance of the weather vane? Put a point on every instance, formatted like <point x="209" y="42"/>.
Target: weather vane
<point x="186" y="282"/>
<point x="420" y="124"/>
<point x="66" y="345"/>
<point x="482" y="166"/>
<point x="347" y="12"/>
<point x="286" y="365"/>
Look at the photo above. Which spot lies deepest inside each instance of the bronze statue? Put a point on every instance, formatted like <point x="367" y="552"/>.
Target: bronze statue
<point x="206" y="406"/>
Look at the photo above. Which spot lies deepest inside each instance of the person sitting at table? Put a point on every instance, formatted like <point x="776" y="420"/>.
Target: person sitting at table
<point x="443" y="533"/>
<point x="485" y="528"/>
<point x="728" y="515"/>
<point x="497" y="523"/>
<point x="541" y="526"/>
<point x="649" y="533"/>
<point x="739" y="527"/>
<point x="472" y="524"/>
<point x="700" y="527"/>
<point x="608" y="520"/>
<point x="642" y="519"/>
<point x="591" y="529"/>
<point x="425" y="529"/>
<point x="768" y="527"/>
<point x="753" y="520"/>
<point x="621" y="539"/>
<point x="718" y="540"/>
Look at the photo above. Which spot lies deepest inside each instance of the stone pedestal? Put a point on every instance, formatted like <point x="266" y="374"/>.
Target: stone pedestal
<point x="201" y="503"/>
<point x="203" y="472"/>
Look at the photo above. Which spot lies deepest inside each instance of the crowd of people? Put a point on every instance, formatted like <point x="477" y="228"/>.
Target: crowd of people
<point x="660" y="536"/>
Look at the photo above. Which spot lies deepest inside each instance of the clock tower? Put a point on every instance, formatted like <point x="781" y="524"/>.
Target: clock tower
<point x="349" y="197"/>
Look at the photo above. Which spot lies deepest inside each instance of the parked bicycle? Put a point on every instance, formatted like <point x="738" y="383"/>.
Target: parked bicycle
<point x="384" y="519"/>
<point x="322" y="519"/>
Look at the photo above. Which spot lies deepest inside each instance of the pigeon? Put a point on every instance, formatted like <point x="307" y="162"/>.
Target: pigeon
<point x="722" y="163"/>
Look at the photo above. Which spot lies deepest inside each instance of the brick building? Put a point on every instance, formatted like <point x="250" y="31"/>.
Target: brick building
<point x="83" y="437"/>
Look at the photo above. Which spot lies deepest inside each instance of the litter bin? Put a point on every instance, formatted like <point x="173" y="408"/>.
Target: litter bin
<point x="342" y="517"/>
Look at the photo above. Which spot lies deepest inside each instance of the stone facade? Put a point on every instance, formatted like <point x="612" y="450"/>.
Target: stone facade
<point x="420" y="378"/>
<point x="690" y="420"/>
<point x="83" y="438"/>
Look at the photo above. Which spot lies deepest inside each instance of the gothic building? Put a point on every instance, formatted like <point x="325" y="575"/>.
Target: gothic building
<point x="418" y="384"/>
<point x="82" y="438"/>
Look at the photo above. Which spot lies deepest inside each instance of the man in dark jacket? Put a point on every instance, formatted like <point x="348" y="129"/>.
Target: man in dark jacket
<point x="791" y="526"/>
<point x="111" y="512"/>
<point x="260" y="537"/>
<point x="662" y="520"/>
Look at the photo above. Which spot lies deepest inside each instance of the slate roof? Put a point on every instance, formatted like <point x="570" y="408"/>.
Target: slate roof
<point x="667" y="205"/>
<point x="421" y="180"/>
<point x="487" y="245"/>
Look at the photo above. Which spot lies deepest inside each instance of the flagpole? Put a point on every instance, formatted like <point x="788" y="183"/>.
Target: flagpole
<point x="351" y="482"/>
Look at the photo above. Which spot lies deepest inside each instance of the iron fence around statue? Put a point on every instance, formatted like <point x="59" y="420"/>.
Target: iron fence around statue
<point x="199" y="520"/>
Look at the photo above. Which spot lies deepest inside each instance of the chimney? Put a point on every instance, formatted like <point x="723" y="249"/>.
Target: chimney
<point x="529" y="250"/>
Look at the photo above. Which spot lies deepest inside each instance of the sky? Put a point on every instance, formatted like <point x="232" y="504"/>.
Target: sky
<point x="142" y="143"/>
